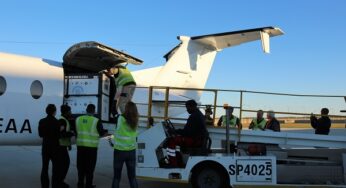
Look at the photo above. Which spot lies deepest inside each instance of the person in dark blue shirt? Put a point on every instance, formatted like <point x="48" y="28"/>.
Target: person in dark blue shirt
<point x="195" y="125"/>
<point x="272" y="124"/>
<point x="323" y="124"/>
<point x="192" y="135"/>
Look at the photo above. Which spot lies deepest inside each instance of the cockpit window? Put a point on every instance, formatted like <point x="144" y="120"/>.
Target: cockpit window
<point x="3" y="85"/>
<point x="36" y="89"/>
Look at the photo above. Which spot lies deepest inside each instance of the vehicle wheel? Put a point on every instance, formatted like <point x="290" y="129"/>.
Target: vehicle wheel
<point x="209" y="177"/>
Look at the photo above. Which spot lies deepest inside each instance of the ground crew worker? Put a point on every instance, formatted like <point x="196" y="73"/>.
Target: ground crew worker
<point x="66" y="132"/>
<point x="258" y="123"/>
<point x="208" y="119"/>
<point x="48" y="129"/>
<point x="126" y="86"/>
<point x="192" y="135"/>
<point x="323" y="124"/>
<point x="234" y="121"/>
<point x="272" y="124"/>
<point x="112" y="91"/>
<point x="125" y="135"/>
<point x="89" y="129"/>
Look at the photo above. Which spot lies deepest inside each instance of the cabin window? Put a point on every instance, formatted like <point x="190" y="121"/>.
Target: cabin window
<point x="3" y="85"/>
<point x="36" y="89"/>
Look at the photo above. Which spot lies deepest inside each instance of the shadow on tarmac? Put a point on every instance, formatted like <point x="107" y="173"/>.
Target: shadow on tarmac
<point x="21" y="167"/>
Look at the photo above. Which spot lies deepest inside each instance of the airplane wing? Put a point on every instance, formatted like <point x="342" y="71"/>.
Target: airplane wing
<point x="229" y="39"/>
<point x="96" y="57"/>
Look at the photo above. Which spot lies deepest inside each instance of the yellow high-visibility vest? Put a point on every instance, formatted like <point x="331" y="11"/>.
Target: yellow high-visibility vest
<point x="87" y="134"/>
<point x="124" y="77"/>
<point x="259" y="126"/>
<point x="232" y="121"/>
<point x="65" y="141"/>
<point x="124" y="136"/>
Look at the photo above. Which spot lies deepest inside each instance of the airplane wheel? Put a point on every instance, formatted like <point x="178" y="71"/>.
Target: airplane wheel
<point x="209" y="177"/>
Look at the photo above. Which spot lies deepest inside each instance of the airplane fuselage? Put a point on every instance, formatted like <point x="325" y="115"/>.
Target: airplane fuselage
<point x="28" y="85"/>
<point x="31" y="84"/>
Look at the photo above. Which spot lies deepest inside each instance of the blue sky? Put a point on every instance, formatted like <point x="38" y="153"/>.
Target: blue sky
<point x="309" y="58"/>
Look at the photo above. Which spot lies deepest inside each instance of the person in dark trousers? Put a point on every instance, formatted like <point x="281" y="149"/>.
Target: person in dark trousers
<point x="89" y="129"/>
<point x="112" y="91"/>
<point x="125" y="135"/>
<point x="126" y="86"/>
<point x="323" y="124"/>
<point x="272" y="124"/>
<point x="192" y="135"/>
<point x="48" y="129"/>
<point x="66" y="132"/>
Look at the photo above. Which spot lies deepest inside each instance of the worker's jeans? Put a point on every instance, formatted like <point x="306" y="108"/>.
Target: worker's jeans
<point x="129" y="158"/>
<point x="64" y="163"/>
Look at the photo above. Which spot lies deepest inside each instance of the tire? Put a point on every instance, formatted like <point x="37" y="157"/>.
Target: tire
<point x="209" y="177"/>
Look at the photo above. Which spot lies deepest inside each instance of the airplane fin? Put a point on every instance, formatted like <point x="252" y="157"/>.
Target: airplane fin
<point x="149" y="75"/>
<point x="189" y="63"/>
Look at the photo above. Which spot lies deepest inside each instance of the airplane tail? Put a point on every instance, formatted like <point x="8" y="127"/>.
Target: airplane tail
<point x="189" y="63"/>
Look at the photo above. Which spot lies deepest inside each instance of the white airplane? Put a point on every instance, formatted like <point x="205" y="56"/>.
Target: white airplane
<point x="28" y="84"/>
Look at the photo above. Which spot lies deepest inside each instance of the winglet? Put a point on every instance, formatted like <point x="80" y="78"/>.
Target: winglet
<point x="265" y="42"/>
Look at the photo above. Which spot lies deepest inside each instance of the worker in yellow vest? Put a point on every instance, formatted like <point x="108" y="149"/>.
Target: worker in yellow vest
<point x="125" y="145"/>
<point x="258" y="123"/>
<point x="234" y="121"/>
<point x="126" y="86"/>
<point x="66" y="132"/>
<point x="89" y="129"/>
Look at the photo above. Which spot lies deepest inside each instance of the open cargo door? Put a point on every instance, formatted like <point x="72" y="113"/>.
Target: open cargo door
<point x="94" y="57"/>
<point x="85" y="80"/>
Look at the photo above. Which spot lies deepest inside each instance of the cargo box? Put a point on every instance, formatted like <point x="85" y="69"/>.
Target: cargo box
<point x="83" y="89"/>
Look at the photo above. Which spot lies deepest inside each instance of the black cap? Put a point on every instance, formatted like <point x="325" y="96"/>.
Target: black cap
<point x="325" y="111"/>
<point x="191" y="103"/>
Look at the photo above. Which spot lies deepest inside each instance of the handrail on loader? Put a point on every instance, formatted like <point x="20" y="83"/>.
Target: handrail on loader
<point x="216" y="92"/>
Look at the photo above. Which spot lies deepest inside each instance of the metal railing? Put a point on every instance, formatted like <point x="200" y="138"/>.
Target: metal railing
<point x="167" y="91"/>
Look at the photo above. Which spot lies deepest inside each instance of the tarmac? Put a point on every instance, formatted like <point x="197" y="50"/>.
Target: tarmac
<point x="20" y="167"/>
